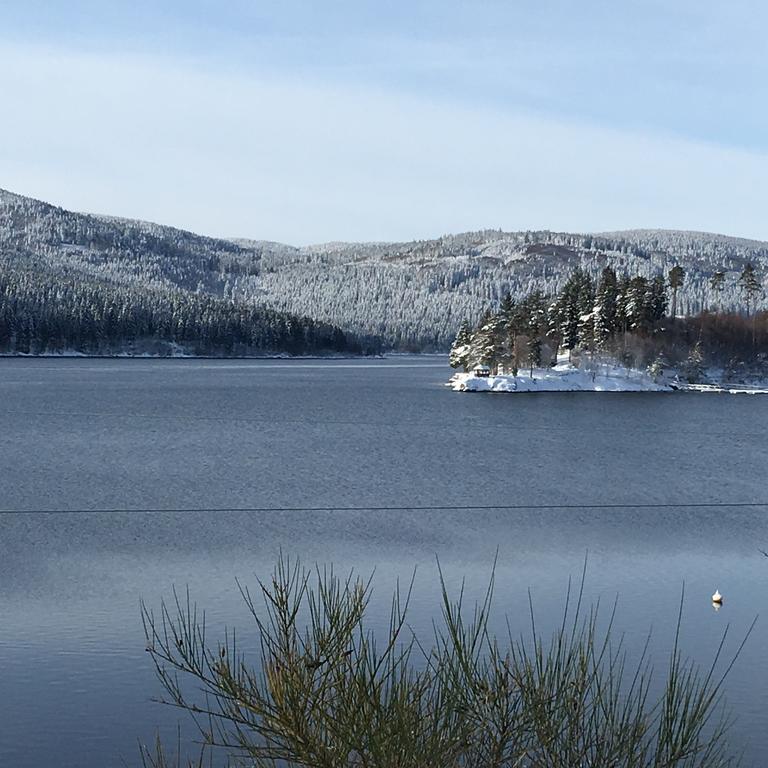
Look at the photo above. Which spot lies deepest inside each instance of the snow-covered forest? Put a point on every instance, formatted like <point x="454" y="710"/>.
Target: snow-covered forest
<point x="102" y="286"/>
<point x="406" y="296"/>
<point x="630" y="321"/>
<point x="416" y="295"/>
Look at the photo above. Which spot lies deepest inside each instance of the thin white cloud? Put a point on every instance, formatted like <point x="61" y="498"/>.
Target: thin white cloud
<point x="263" y="157"/>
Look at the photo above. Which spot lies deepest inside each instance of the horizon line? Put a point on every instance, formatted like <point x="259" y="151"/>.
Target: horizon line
<point x="238" y="239"/>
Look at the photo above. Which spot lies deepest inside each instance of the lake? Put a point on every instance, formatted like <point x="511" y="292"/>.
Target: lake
<point x="364" y="444"/>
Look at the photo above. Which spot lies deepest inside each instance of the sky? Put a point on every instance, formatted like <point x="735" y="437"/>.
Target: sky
<point x="314" y="120"/>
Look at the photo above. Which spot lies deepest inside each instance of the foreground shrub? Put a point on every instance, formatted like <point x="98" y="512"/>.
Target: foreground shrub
<point x="328" y="693"/>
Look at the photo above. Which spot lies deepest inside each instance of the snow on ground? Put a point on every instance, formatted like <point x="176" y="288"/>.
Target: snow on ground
<point x="566" y="378"/>
<point x="730" y="389"/>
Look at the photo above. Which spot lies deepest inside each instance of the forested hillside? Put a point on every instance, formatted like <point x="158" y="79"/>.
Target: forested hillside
<point x="416" y="295"/>
<point x="408" y="296"/>
<point x="70" y="282"/>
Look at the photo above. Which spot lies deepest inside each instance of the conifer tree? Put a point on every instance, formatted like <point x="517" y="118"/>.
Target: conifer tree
<point x="750" y="285"/>
<point x="535" y="313"/>
<point x="487" y="340"/>
<point x="717" y="285"/>
<point x="656" y="368"/>
<point x="622" y="316"/>
<point x="509" y="312"/>
<point x="534" y="352"/>
<point x="587" y="330"/>
<point x="460" y="349"/>
<point x="636" y="304"/>
<point x="657" y="300"/>
<point x="574" y="301"/>
<point x="676" y="279"/>
<point x="507" y="307"/>
<point x="693" y="368"/>
<point x="605" y="310"/>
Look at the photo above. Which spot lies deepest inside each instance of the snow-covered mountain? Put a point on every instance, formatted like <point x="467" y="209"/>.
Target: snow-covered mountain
<point x="412" y="295"/>
<point x="99" y="285"/>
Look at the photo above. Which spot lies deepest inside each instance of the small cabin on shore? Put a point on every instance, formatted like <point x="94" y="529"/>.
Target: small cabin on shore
<point x="481" y="370"/>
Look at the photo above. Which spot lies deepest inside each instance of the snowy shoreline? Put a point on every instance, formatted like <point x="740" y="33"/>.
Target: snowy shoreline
<point x="605" y="378"/>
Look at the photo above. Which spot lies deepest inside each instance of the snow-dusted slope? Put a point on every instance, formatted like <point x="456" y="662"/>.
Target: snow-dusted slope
<point x="99" y="284"/>
<point x="416" y="294"/>
<point x="413" y="295"/>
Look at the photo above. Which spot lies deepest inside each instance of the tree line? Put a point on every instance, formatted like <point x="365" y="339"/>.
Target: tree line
<point x="41" y="313"/>
<point x="630" y="318"/>
<point x="409" y="296"/>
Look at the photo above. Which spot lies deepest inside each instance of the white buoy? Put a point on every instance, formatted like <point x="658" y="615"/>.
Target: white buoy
<point x="717" y="597"/>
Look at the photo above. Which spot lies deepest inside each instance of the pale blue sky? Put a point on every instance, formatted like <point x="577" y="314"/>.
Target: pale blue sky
<point x="308" y="121"/>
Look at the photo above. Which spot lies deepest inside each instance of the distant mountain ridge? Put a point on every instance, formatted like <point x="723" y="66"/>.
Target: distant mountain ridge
<point x="412" y="295"/>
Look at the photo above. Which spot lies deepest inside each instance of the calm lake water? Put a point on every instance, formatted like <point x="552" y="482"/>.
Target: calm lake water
<point x="75" y="682"/>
